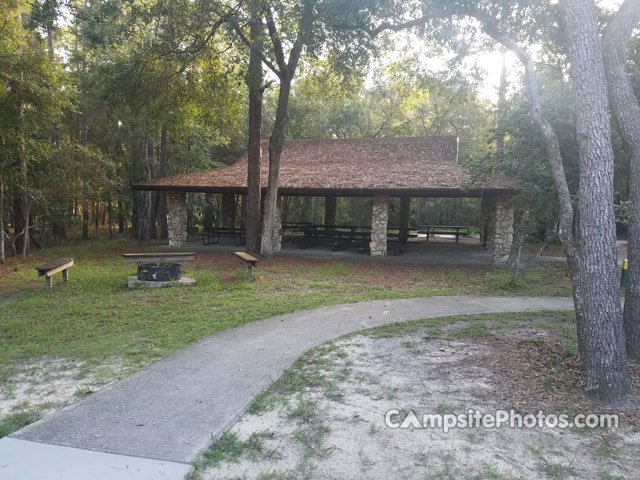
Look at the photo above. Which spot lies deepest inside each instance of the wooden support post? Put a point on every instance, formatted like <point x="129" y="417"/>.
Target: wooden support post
<point x="250" y="274"/>
<point x="49" y="281"/>
<point x="65" y="275"/>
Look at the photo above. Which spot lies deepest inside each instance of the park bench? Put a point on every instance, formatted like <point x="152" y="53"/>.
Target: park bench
<point x="250" y="261"/>
<point x="51" y="268"/>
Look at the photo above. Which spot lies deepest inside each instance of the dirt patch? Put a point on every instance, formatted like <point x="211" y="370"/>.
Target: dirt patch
<point x="50" y="384"/>
<point x="334" y="427"/>
<point x="544" y="373"/>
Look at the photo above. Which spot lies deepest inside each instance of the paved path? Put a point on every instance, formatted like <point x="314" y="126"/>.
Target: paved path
<point x="154" y="423"/>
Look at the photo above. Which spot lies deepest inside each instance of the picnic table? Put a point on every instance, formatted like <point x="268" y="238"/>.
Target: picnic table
<point x="213" y="235"/>
<point x="456" y="230"/>
<point x="341" y="237"/>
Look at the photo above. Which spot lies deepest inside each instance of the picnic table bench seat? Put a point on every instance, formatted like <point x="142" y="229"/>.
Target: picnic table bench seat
<point x="50" y="269"/>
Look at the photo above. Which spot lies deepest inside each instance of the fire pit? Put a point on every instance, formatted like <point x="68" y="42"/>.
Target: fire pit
<point x="159" y="272"/>
<point x="159" y="269"/>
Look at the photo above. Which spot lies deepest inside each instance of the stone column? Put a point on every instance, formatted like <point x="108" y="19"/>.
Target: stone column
<point x="379" y="221"/>
<point x="498" y="217"/>
<point x="177" y="219"/>
<point x="503" y="229"/>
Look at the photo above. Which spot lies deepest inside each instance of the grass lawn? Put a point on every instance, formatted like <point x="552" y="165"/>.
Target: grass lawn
<point x="97" y="321"/>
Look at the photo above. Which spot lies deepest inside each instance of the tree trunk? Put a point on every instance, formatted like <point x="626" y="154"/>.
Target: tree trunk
<point x="556" y="167"/>
<point x="603" y="349"/>
<point x="121" y="222"/>
<point x="109" y="219"/>
<point x="255" y="86"/>
<point x="144" y="216"/>
<point x="626" y="112"/>
<point x="502" y="106"/>
<point x="162" y="200"/>
<point x="83" y="141"/>
<point x="276" y="143"/>
<point x="330" y="209"/>
<point x="2" y="234"/>
<point x="96" y="216"/>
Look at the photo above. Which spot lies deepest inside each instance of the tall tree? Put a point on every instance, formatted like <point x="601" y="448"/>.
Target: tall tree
<point x="603" y="352"/>
<point x="285" y="68"/>
<point x="254" y="81"/>
<point x="626" y="112"/>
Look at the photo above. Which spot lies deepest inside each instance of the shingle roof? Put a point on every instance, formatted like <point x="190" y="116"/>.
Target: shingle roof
<point x="416" y="166"/>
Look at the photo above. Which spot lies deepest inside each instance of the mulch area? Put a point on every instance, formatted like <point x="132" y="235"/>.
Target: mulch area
<point x="536" y="374"/>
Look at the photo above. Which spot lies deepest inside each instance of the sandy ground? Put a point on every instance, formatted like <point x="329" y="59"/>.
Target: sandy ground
<point x="50" y="384"/>
<point x="336" y="429"/>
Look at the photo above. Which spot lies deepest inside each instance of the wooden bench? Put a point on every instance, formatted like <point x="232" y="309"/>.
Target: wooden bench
<point x="51" y="268"/>
<point x="250" y="261"/>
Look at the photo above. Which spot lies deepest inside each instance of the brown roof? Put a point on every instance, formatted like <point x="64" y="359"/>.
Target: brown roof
<point x="416" y="166"/>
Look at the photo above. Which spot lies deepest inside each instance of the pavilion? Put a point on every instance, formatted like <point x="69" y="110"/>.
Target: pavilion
<point x="379" y="168"/>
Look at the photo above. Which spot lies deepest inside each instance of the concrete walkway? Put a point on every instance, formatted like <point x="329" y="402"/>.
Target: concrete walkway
<point x="153" y="424"/>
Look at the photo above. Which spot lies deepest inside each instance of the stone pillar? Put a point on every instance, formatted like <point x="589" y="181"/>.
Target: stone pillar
<point x="379" y="221"/>
<point x="177" y="219"/>
<point x="498" y="217"/>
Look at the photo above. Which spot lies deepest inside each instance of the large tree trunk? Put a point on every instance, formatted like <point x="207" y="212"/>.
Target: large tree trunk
<point x="83" y="141"/>
<point x="162" y="205"/>
<point x="144" y="215"/>
<point x="2" y="234"/>
<point x="254" y="83"/>
<point x="276" y="143"/>
<point x="603" y="349"/>
<point x="286" y="72"/>
<point x="501" y="130"/>
<point x="153" y="196"/>
<point x="626" y="112"/>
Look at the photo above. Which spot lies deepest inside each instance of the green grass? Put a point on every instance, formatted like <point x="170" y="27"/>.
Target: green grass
<point x="229" y="448"/>
<point x="96" y="318"/>
<point x="15" y="421"/>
